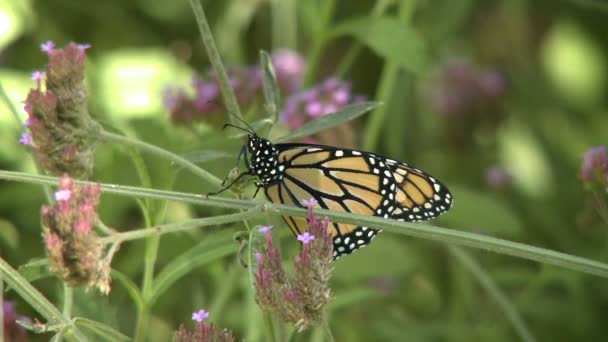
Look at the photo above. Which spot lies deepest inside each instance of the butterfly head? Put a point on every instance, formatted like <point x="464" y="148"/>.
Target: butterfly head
<point x="263" y="161"/>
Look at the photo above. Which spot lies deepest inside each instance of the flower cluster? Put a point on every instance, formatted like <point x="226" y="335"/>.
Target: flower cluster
<point x="594" y="170"/>
<point x="73" y="248"/>
<point x="460" y="88"/>
<point x="205" y="332"/>
<point x="58" y="120"/>
<point x="299" y="300"/>
<point x="204" y="105"/>
<point x="13" y="331"/>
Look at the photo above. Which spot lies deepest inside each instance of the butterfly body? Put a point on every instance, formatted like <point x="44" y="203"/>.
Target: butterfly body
<point x="344" y="180"/>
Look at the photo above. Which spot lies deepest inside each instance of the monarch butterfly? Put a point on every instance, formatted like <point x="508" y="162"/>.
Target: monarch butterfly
<point x="341" y="180"/>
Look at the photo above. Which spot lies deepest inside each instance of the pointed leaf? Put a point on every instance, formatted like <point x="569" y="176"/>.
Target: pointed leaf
<point x="331" y="120"/>
<point x="389" y="38"/>
<point x="271" y="90"/>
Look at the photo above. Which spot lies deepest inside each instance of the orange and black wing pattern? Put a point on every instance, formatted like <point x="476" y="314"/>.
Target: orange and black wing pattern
<point x="357" y="182"/>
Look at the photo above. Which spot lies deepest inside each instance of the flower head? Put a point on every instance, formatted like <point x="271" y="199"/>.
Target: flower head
<point x="58" y="117"/>
<point x="329" y="97"/>
<point x="595" y="164"/>
<point x="289" y="67"/>
<point x="74" y="250"/>
<point x="298" y="299"/>
<point x="265" y="229"/>
<point x="204" y="332"/>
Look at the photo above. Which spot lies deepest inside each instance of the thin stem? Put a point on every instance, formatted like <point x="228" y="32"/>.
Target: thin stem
<point x="178" y="227"/>
<point x="36" y="299"/>
<point x="326" y="328"/>
<point x="1" y="306"/>
<point x="68" y="301"/>
<point x="443" y="235"/>
<point x="356" y="47"/>
<point x="269" y="326"/>
<point x="313" y="58"/>
<point x="195" y="169"/>
<point x="230" y="101"/>
<point x="495" y="292"/>
<point x="385" y="90"/>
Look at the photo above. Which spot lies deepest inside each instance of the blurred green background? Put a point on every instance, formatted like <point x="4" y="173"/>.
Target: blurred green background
<point x="512" y="158"/>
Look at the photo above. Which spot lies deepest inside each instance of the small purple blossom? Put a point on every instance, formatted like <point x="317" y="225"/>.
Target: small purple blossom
<point x="305" y="238"/>
<point x="289" y="68"/>
<point x="63" y="195"/>
<point x="26" y="139"/>
<point x="264" y="229"/>
<point x="83" y="47"/>
<point x="48" y="46"/>
<point x="310" y="203"/>
<point x="200" y="315"/>
<point x="37" y="75"/>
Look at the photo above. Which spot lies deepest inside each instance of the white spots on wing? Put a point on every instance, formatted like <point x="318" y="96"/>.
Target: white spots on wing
<point x="372" y="161"/>
<point x="356" y="153"/>
<point x="339" y="153"/>
<point x="385" y="181"/>
<point x="376" y="171"/>
<point x="387" y="173"/>
<point x="437" y="187"/>
<point x="313" y="149"/>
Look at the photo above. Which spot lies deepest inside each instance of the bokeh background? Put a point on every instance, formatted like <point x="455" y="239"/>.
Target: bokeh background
<point x="498" y="99"/>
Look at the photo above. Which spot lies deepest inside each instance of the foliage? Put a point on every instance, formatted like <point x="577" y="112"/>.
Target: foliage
<point x="502" y="100"/>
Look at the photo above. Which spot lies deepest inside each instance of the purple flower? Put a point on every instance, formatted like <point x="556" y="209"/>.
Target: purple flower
<point x="26" y="139"/>
<point x="265" y="229"/>
<point x="48" y="46"/>
<point x="12" y="331"/>
<point x="305" y="238"/>
<point x="63" y="195"/>
<point x="310" y="203"/>
<point x="326" y="98"/>
<point x="491" y="83"/>
<point x="83" y="47"/>
<point x="595" y="163"/>
<point x="37" y="75"/>
<point x="200" y="315"/>
<point x="289" y="68"/>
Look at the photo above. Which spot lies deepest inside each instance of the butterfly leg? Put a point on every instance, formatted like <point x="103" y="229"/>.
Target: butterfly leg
<point x="229" y="185"/>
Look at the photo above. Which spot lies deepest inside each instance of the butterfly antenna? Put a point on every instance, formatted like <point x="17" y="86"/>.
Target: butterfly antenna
<point x="249" y="129"/>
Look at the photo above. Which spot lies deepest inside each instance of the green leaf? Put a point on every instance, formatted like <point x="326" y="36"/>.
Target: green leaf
<point x="206" y="251"/>
<point x="102" y="330"/>
<point x="35" y="269"/>
<point x="9" y="234"/>
<point x="348" y="113"/>
<point x="271" y="90"/>
<point x="389" y="38"/>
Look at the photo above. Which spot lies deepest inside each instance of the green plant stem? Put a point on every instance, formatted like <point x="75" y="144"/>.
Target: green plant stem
<point x="326" y="328"/>
<point x="177" y="160"/>
<point x="36" y="299"/>
<point x="356" y="47"/>
<point x="443" y="235"/>
<point x="495" y="292"/>
<point x="68" y="301"/>
<point x="181" y="226"/>
<point x="313" y="59"/>
<point x="269" y="326"/>
<point x="230" y="101"/>
<point x="1" y="306"/>
<point x="386" y="88"/>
